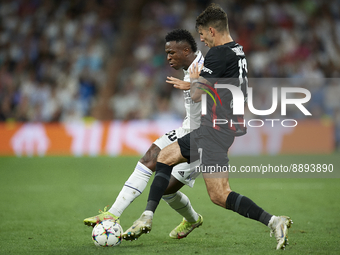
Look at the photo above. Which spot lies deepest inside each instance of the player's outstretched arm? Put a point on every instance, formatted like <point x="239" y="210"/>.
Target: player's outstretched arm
<point x="197" y="83"/>
<point x="178" y="84"/>
<point x="197" y="89"/>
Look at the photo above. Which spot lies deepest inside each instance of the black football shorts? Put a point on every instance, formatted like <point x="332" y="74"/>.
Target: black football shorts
<point x="208" y="145"/>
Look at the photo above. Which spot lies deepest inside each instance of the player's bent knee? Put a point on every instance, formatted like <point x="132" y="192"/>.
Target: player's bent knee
<point x="215" y="199"/>
<point x="150" y="157"/>
<point x="219" y="198"/>
<point x="149" y="164"/>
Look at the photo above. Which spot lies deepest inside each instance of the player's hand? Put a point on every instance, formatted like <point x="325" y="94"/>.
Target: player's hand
<point x="178" y="84"/>
<point x="195" y="71"/>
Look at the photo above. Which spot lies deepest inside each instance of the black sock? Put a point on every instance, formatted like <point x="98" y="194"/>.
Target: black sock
<point x="247" y="208"/>
<point x="159" y="185"/>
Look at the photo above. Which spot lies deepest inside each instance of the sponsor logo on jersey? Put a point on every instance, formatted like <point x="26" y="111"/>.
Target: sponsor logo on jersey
<point x="207" y="70"/>
<point x="238" y="50"/>
<point x="187" y="98"/>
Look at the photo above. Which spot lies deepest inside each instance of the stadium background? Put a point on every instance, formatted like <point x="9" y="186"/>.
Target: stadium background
<point x="84" y="64"/>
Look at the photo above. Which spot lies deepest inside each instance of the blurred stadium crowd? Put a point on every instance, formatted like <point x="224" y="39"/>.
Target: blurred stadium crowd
<point x="66" y="60"/>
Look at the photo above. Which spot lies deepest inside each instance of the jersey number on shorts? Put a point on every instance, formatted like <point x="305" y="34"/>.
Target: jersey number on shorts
<point x="200" y="152"/>
<point x="172" y="135"/>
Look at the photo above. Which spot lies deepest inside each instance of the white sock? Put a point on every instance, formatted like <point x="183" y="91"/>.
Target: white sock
<point x="181" y="204"/>
<point x="133" y="187"/>
<point x="271" y="221"/>
<point x="148" y="213"/>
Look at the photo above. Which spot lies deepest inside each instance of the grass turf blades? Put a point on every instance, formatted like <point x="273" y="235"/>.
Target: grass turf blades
<point x="44" y="201"/>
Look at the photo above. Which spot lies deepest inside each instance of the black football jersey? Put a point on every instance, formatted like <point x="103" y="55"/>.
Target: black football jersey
<point x="225" y="64"/>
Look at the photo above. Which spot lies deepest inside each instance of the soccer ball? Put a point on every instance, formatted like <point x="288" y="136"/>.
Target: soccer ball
<point x="107" y="233"/>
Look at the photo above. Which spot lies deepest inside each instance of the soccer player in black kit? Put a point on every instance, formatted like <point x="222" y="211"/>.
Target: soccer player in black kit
<point x="225" y="63"/>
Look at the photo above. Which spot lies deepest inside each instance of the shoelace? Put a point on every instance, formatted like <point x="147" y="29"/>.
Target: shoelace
<point x="184" y="224"/>
<point x="105" y="210"/>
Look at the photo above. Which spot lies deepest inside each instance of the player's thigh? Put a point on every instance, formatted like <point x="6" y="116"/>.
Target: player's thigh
<point x="171" y="155"/>
<point x="215" y="174"/>
<point x="214" y="160"/>
<point x="170" y="137"/>
<point x="150" y="157"/>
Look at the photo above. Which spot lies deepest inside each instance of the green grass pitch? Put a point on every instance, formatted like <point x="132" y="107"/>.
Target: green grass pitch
<point x="44" y="201"/>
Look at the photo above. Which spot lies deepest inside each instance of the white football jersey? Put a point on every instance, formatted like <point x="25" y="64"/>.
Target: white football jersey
<point x="193" y="118"/>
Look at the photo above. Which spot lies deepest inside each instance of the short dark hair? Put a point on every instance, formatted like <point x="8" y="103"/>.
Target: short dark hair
<point x="213" y="16"/>
<point x="182" y="35"/>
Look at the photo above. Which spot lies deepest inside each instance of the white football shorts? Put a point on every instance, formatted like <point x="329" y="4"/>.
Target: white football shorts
<point x="183" y="172"/>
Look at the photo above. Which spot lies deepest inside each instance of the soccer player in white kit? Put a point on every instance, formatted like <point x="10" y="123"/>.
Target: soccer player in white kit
<point x="181" y="50"/>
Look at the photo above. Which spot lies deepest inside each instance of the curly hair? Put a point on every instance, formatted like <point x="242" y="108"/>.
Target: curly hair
<point x="213" y="16"/>
<point x="182" y="35"/>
